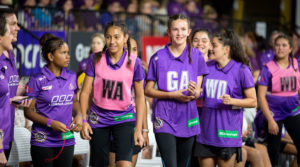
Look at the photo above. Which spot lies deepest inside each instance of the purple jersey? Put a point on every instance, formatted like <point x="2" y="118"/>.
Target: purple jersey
<point x="280" y="106"/>
<point x="175" y="8"/>
<point x="99" y="117"/>
<point x="221" y="125"/>
<point x="5" y="125"/>
<point x="54" y="100"/>
<point x="267" y="56"/>
<point x="172" y="74"/>
<point x="13" y="82"/>
<point x="297" y="54"/>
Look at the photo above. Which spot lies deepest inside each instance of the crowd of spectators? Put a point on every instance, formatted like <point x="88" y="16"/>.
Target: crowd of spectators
<point x="148" y="17"/>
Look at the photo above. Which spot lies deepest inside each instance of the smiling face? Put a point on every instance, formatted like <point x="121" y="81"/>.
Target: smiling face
<point x="202" y="42"/>
<point x="6" y="40"/>
<point x="12" y="23"/>
<point x="282" y="48"/>
<point x="115" y="40"/>
<point x="179" y="31"/>
<point x="60" y="57"/>
<point x="218" y="51"/>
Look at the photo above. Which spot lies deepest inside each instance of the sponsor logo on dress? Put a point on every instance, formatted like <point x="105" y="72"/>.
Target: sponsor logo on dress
<point x="1" y="76"/>
<point x="69" y="135"/>
<point x="47" y="87"/>
<point x="124" y="117"/>
<point x="228" y="134"/>
<point x="93" y="117"/>
<point x="1" y="134"/>
<point x="40" y="136"/>
<point x="193" y="122"/>
<point x="5" y="67"/>
<point x="158" y="123"/>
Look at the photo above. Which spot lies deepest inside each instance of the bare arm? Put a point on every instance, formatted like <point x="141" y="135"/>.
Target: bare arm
<point x="140" y="110"/>
<point x="84" y="103"/>
<point x="262" y="91"/>
<point x="272" y="125"/>
<point x="85" y="94"/>
<point x="37" y="118"/>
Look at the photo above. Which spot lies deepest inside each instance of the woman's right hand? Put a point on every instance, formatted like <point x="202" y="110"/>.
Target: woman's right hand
<point x="273" y="127"/>
<point x="86" y="131"/>
<point x="58" y="126"/>
<point x="3" y="159"/>
<point x="178" y="95"/>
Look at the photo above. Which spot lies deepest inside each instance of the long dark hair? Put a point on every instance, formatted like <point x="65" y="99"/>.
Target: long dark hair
<point x="289" y="39"/>
<point x="124" y="29"/>
<point x="188" y="40"/>
<point x="231" y="39"/>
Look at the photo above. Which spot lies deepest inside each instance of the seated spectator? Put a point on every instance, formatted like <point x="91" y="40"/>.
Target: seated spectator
<point x="209" y="18"/>
<point x="26" y="17"/>
<point x="64" y="20"/>
<point x="176" y="7"/>
<point x="89" y="17"/>
<point x="193" y="10"/>
<point x="113" y="7"/>
<point x="42" y="14"/>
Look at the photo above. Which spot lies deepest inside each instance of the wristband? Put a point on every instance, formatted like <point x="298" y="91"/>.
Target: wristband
<point x="145" y="130"/>
<point x="49" y="123"/>
<point x="1" y="150"/>
<point x="84" y="121"/>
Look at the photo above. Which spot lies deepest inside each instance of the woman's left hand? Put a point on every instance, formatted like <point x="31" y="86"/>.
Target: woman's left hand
<point x="76" y="124"/>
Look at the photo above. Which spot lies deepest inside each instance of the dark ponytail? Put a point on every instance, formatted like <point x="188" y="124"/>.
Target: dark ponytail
<point x="188" y="40"/>
<point x="229" y="38"/>
<point x="289" y="39"/>
<point x="128" y="50"/>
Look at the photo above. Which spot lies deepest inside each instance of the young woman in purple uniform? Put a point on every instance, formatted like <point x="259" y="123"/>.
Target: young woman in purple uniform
<point x="5" y="44"/>
<point x="226" y="89"/>
<point x="178" y="71"/>
<point x="53" y="90"/>
<point x="111" y="74"/>
<point x="278" y="95"/>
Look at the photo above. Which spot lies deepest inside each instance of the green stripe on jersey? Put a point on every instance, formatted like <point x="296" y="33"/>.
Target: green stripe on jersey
<point x="123" y="117"/>
<point x="228" y="134"/>
<point x="193" y="122"/>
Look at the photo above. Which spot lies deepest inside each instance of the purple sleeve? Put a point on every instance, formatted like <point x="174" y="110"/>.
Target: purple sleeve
<point x="246" y="77"/>
<point x="32" y="87"/>
<point x="298" y="61"/>
<point x="264" y="77"/>
<point x="139" y="73"/>
<point x="152" y="70"/>
<point x="202" y="70"/>
<point x="90" y="68"/>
